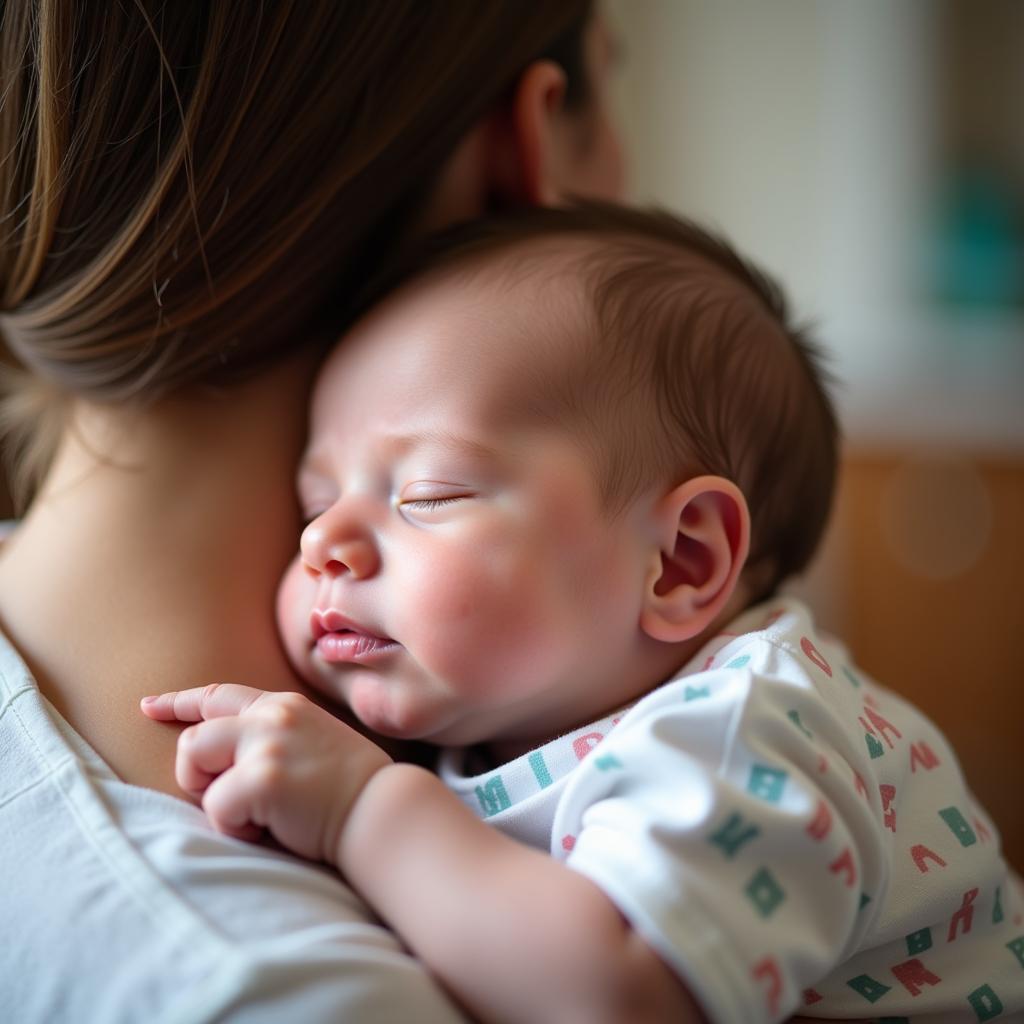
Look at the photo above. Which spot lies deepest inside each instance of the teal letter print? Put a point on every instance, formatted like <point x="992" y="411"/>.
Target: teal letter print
<point x="766" y="783"/>
<point x="875" y="748"/>
<point x="794" y="717"/>
<point x="493" y="796"/>
<point x="733" y="834"/>
<point x="958" y="826"/>
<point x="868" y="987"/>
<point x="919" y="942"/>
<point x="985" y="1003"/>
<point x="764" y="892"/>
<point x="540" y="769"/>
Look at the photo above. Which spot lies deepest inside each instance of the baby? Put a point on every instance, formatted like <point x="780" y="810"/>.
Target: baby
<point x="553" y="484"/>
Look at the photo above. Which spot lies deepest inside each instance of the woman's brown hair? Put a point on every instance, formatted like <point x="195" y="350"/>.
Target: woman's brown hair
<point x="189" y="190"/>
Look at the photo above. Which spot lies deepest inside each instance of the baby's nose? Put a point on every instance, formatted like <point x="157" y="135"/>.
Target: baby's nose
<point x="334" y="545"/>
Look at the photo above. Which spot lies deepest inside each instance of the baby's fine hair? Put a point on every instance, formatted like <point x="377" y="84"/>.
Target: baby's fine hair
<point x="691" y="364"/>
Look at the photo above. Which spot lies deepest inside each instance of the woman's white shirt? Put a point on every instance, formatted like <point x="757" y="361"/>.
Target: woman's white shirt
<point x="121" y="904"/>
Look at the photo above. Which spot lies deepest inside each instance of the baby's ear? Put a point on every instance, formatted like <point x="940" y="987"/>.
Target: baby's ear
<point x="703" y="530"/>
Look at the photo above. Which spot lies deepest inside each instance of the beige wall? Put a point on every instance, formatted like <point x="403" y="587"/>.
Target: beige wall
<point x="811" y="132"/>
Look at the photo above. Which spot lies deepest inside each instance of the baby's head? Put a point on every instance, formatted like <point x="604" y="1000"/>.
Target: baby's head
<point x="544" y="469"/>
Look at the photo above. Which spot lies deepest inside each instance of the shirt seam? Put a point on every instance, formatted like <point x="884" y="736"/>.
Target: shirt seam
<point x="237" y="959"/>
<point x="47" y="775"/>
<point x="52" y="773"/>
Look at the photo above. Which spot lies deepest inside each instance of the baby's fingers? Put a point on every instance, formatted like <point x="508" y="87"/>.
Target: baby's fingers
<point x="230" y="804"/>
<point x="201" y="702"/>
<point x="204" y="751"/>
<point x="259" y="793"/>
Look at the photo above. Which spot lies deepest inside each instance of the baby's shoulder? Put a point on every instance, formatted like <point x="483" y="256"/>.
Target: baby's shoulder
<point x="775" y="642"/>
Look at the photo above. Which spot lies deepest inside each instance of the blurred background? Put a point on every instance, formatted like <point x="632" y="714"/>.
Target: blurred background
<point x="871" y="155"/>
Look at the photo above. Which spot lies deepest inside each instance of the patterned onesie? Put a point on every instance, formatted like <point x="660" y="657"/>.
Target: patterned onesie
<point x="784" y="832"/>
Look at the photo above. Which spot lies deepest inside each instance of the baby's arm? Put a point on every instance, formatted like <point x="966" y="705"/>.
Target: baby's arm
<point x="514" y="934"/>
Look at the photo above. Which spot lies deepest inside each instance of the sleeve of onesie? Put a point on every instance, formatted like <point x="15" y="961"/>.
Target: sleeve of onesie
<point x="728" y="817"/>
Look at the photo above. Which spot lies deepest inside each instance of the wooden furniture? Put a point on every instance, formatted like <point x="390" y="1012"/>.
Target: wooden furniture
<point x="922" y="577"/>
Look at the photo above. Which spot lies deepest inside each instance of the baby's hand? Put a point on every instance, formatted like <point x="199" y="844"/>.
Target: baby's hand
<point x="269" y="760"/>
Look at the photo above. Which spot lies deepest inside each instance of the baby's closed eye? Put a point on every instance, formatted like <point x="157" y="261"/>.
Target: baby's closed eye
<point x="425" y="499"/>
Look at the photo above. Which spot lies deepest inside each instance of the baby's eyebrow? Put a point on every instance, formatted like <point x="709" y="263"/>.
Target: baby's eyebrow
<point x="316" y="462"/>
<point x="445" y="440"/>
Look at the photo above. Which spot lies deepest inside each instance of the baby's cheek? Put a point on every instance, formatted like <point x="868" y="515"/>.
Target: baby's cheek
<point x="488" y="622"/>
<point x="295" y="596"/>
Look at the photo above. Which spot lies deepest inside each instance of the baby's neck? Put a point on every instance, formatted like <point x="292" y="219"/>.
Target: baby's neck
<point x="500" y="751"/>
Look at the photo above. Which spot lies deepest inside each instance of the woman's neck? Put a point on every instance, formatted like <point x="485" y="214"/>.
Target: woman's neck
<point x="150" y="560"/>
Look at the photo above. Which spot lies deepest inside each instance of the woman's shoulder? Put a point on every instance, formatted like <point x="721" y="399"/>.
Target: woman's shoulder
<point x="125" y="897"/>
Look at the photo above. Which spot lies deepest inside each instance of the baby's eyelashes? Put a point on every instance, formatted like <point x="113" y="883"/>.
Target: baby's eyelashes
<point x="425" y="499"/>
<point x="431" y="503"/>
<point x="421" y="499"/>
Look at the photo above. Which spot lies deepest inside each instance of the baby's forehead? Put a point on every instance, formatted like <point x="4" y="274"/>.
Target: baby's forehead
<point x="533" y="324"/>
<point x="492" y="333"/>
<point x="567" y="275"/>
<point x="528" y="304"/>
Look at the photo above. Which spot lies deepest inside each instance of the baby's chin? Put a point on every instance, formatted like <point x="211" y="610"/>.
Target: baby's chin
<point x="382" y="710"/>
<point x="387" y="709"/>
<point x="392" y="710"/>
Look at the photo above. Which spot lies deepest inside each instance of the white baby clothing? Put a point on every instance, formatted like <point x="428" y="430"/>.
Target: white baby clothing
<point x="785" y="833"/>
<point x="122" y="905"/>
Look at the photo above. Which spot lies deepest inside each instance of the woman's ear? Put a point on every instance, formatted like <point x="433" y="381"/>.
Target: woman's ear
<point x="703" y="529"/>
<point x="523" y="141"/>
<point x="509" y="157"/>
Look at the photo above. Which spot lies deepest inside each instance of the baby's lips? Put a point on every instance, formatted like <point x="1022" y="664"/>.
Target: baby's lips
<point x="316" y="625"/>
<point x="330" y="620"/>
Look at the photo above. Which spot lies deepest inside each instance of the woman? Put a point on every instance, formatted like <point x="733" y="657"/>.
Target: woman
<point x="190" y="197"/>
